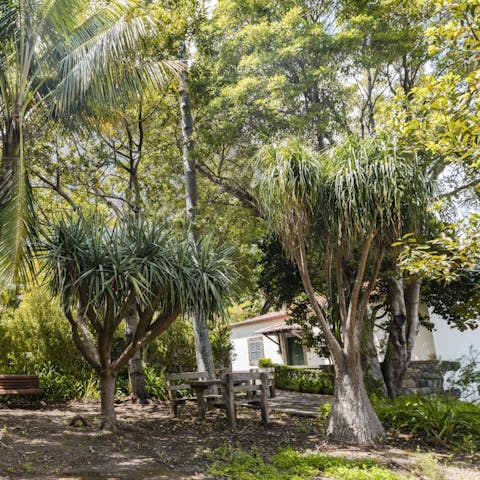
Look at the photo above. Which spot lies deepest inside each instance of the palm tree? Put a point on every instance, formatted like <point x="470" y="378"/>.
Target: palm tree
<point x="101" y="273"/>
<point x="350" y="202"/>
<point x="55" y="56"/>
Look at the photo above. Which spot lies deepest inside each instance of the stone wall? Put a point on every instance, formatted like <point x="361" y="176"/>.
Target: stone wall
<point x="426" y="377"/>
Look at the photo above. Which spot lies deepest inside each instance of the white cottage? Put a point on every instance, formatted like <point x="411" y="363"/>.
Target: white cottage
<point x="268" y="336"/>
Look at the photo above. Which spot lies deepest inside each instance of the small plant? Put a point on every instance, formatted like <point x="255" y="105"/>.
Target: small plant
<point x="428" y="466"/>
<point x="62" y="385"/>
<point x="324" y="412"/>
<point x="266" y="363"/>
<point x="289" y="464"/>
<point x="156" y="383"/>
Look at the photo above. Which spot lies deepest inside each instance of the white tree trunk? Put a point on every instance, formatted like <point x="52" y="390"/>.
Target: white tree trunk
<point x="203" y="347"/>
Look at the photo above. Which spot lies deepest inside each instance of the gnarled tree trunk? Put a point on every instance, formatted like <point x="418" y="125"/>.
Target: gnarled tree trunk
<point x="403" y="300"/>
<point x="352" y="418"/>
<point x="394" y="365"/>
<point x="372" y="371"/>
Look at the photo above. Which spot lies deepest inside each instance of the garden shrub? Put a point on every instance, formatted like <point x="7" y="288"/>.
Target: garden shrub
<point x="36" y="339"/>
<point x="441" y="421"/>
<point x="62" y="386"/>
<point x="304" y="379"/>
<point x="36" y="335"/>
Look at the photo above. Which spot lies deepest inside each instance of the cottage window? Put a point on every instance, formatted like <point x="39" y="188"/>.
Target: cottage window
<point x="255" y="350"/>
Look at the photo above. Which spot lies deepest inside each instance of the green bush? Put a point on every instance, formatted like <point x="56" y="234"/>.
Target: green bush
<point x="62" y="386"/>
<point x="37" y="335"/>
<point x="174" y="350"/>
<point x="36" y="339"/>
<point x="156" y="383"/>
<point x="304" y="379"/>
<point x="437" y="420"/>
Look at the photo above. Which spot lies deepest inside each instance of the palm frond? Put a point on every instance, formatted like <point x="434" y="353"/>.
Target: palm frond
<point x="84" y="257"/>
<point x="287" y="185"/>
<point x="17" y="227"/>
<point x="103" y="62"/>
<point x="356" y="187"/>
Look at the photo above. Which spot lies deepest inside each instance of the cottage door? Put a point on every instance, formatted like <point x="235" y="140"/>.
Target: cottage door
<point x="295" y="351"/>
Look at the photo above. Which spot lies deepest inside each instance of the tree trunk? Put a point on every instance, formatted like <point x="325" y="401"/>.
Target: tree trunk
<point x="372" y="370"/>
<point x="136" y="375"/>
<point x="396" y="359"/>
<point x="203" y="347"/>
<point x="412" y="304"/>
<point x="404" y="301"/>
<point x="352" y="419"/>
<point x="107" y="398"/>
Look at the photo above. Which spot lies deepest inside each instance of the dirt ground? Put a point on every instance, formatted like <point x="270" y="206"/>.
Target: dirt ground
<point x="40" y="443"/>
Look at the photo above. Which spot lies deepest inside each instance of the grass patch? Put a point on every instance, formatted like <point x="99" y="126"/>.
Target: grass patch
<point x="289" y="464"/>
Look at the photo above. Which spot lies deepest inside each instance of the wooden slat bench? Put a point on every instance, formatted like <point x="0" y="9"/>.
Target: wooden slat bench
<point x="245" y="389"/>
<point x="20" y="385"/>
<point x="180" y="383"/>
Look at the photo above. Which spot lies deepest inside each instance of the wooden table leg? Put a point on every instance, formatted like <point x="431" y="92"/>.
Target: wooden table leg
<point x="202" y="404"/>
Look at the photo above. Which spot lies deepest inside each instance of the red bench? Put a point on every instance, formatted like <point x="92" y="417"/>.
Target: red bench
<point x="20" y="385"/>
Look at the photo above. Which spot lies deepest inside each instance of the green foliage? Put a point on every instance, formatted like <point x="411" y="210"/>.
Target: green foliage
<point x="35" y="336"/>
<point x="174" y="349"/>
<point x="436" y="420"/>
<point x="222" y="347"/>
<point x="449" y="265"/>
<point x="428" y="466"/>
<point x="156" y="383"/>
<point x="304" y="379"/>
<point x="265" y="363"/>
<point x="444" y="258"/>
<point x="60" y="385"/>
<point x="458" y="301"/>
<point x="279" y="278"/>
<point x="36" y="339"/>
<point x="292" y="465"/>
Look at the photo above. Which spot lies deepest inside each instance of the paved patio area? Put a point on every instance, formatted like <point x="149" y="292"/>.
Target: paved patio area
<point x="295" y="403"/>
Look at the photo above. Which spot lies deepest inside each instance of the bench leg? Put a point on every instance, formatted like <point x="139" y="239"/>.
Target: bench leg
<point x="263" y="400"/>
<point x="202" y="404"/>
<point x="173" y="404"/>
<point x="229" y="400"/>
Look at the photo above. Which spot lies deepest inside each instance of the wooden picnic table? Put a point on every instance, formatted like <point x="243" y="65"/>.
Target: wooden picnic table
<point x="238" y="388"/>
<point x="200" y="387"/>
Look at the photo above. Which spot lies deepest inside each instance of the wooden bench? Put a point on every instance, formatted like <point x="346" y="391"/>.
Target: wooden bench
<point x="20" y="385"/>
<point x="245" y="389"/>
<point x="180" y="390"/>
<point x="271" y="378"/>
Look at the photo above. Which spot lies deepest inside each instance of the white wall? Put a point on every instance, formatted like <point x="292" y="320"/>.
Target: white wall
<point x="451" y="344"/>
<point x="239" y="337"/>
<point x="425" y="347"/>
